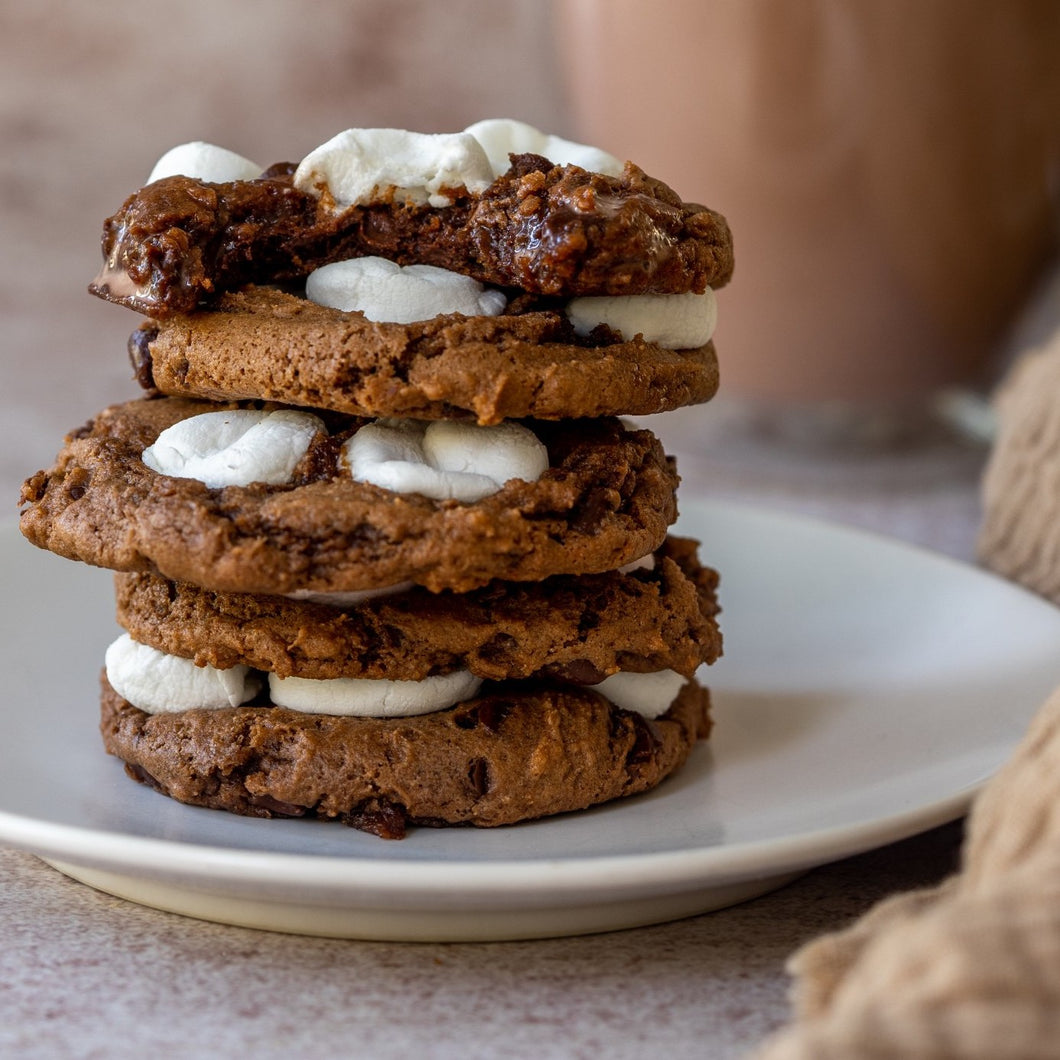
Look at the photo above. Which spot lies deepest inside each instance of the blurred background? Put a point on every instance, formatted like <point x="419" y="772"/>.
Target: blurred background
<point x="93" y="94"/>
<point x="889" y="167"/>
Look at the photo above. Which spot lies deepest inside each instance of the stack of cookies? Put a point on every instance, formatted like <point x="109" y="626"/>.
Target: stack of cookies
<point x="385" y="551"/>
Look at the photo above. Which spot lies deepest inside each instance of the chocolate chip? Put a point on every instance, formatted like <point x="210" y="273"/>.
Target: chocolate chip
<point x="279" y="171"/>
<point x="577" y="671"/>
<point x="137" y="772"/>
<point x="139" y="347"/>
<point x="595" y="505"/>
<point x="276" y="807"/>
<point x="478" y="774"/>
<point x="645" y="742"/>
<point x="77" y="483"/>
<point x="492" y="712"/>
<point x="499" y="647"/>
<point x="380" y="817"/>
<point x="489" y="713"/>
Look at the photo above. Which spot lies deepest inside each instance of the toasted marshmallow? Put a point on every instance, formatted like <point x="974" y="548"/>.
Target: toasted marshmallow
<point x="647" y="694"/>
<point x="203" y="161"/>
<point x="361" y="166"/>
<point x="673" y="321"/>
<point x="503" y="136"/>
<point x="158" y="683"/>
<point x="445" y="459"/>
<point x="234" y="448"/>
<point x="362" y="698"/>
<point x="387" y="292"/>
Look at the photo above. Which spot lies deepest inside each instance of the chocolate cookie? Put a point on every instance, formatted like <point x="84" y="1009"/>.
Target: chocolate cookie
<point x="262" y="343"/>
<point x="556" y="230"/>
<point x="581" y="628"/>
<point x="517" y="751"/>
<point x="606" y="499"/>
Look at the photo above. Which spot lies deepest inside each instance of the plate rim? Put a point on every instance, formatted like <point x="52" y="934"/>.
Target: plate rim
<point x="660" y="871"/>
<point x="671" y="870"/>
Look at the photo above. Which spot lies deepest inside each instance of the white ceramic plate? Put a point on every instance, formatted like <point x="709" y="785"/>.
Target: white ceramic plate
<point x="868" y="689"/>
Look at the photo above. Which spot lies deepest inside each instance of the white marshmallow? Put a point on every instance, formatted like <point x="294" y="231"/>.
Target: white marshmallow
<point x="503" y="136"/>
<point x="360" y="166"/>
<point x="203" y="161"/>
<point x="386" y="291"/>
<point x="644" y="563"/>
<point x="673" y="321"/>
<point x="361" y="698"/>
<point x="445" y="459"/>
<point x="234" y="448"/>
<point x="647" y="694"/>
<point x="158" y="683"/>
<point x="348" y="599"/>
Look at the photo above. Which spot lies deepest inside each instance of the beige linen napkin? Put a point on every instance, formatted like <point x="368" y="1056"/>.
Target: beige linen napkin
<point x="970" y="969"/>
<point x="1021" y="487"/>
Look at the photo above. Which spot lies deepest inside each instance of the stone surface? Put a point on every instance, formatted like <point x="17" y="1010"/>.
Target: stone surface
<point x="84" y="974"/>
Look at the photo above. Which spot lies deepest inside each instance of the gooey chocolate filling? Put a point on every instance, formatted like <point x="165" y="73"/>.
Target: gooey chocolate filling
<point x="546" y="229"/>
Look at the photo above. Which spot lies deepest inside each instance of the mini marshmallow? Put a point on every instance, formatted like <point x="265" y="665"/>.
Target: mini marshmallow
<point x="644" y="563"/>
<point x="446" y="459"/>
<point x="386" y="291"/>
<point x="363" y="698"/>
<point x="673" y="321"/>
<point x="503" y="136"/>
<point x="360" y="166"/>
<point x="647" y="694"/>
<point x="158" y="683"/>
<point x="234" y="448"/>
<point x="348" y="599"/>
<point x="203" y="161"/>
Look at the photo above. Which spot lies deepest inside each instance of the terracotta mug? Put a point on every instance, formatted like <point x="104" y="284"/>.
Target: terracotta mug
<point x="889" y="169"/>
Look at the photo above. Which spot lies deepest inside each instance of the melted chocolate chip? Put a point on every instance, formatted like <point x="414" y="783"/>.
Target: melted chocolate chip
<point x="275" y="807"/>
<point x="478" y="775"/>
<point x="578" y="672"/>
<point x="379" y="817"/>
<point x="137" y="772"/>
<point x="139" y="347"/>
<point x="488" y="712"/>
<point x="550" y="230"/>
<point x="645" y="741"/>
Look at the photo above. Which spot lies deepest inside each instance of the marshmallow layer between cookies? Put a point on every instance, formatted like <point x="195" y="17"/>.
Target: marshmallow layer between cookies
<point x="157" y="683"/>
<point x="505" y="756"/>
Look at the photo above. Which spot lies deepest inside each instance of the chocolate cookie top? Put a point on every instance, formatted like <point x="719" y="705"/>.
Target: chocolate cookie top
<point x="517" y="752"/>
<point x="580" y="628"/>
<point x="539" y="227"/>
<point x="261" y="343"/>
<point x="606" y="499"/>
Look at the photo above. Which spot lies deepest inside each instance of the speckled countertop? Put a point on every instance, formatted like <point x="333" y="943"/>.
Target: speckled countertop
<point x="86" y="975"/>
<point x="83" y="974"/>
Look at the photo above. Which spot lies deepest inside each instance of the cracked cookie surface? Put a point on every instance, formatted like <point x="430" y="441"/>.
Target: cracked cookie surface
<point x="581" y="628"/>
<point x="263" y="343"/>
<point x="557" y="230"/>
<point x="606" y="499"/>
